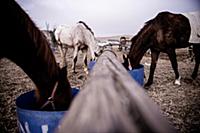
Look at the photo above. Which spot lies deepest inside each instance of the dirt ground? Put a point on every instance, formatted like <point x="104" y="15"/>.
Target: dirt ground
<point x="179" y="104"/>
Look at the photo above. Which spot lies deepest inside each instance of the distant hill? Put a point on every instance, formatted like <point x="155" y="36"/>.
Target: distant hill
<point x="128" y="37"/>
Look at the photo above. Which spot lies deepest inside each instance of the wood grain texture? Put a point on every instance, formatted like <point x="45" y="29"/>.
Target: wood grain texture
<point x="112" y="101"/>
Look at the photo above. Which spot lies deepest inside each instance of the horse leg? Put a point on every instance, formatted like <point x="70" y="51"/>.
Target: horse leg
<point x="195" y="71"/>
<point x="85" y="61"/>
<point x="92" y="52"/>
<point x="190" y="51"/>
<point x="172" y="56"/>
<point x="154" y="59"/>
<point x="197" y="61"/>
<point x="62" y="53"/>
<point x="75" y="58"/>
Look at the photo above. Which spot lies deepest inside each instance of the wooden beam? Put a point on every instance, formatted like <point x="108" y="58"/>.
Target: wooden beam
<point x="112" y="101"/>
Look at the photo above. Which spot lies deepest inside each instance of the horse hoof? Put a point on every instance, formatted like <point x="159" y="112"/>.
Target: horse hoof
<point x="147" y="85"/>
<point x="178" y="81"/>
<point x="85" y="69"/>
<point x="74" y="72"/>
<point x="194" y="76"/>
<point x="87" y="72"/>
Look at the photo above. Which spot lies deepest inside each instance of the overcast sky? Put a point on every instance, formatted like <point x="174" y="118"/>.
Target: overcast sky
<point x="105" y="17"/>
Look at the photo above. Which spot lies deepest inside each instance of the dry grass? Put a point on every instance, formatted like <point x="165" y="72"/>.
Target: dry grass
<point x="180" y="104"/>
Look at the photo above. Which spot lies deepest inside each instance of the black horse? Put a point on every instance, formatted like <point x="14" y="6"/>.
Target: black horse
<point x="164" y="33"/>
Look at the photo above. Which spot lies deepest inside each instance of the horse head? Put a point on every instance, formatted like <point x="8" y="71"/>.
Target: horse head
<point x="60" y="95"/>
<point x="140" y="44"/>
<point x="63" y="95"/>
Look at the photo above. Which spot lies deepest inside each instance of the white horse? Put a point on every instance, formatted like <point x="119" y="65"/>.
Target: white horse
<point x="78" y="37"/>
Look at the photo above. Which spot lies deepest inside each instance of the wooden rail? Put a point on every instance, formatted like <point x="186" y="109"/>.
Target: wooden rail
<point x="112" y="101"/>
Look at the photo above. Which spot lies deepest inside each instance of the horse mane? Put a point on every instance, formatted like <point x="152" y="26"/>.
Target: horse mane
<point x="86" y="26"/>
<point x="30" y="47"/>
<point x="145" y="27"/>
<point x="148" y="25"/>
<point x="141" y="39"/>
<point x="39" y="39"/>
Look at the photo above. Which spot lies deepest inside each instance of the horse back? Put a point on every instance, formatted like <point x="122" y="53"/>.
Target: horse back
<point x="172" y="30"/>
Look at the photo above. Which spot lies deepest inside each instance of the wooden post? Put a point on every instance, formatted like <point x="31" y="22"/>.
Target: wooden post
<point x="112" y="101"/>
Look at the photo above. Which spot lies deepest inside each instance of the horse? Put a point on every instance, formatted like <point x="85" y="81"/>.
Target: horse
<point x="27" y="47"/>
<point x="78" y="37"/>
<point x="164" y="33"/>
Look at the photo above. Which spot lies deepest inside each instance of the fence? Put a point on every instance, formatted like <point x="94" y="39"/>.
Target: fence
<point x="112" y="101"/>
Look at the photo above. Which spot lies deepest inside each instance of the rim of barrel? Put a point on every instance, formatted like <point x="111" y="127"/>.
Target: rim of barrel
<point x="138" y="67"/>
<point x="27" y="105"/>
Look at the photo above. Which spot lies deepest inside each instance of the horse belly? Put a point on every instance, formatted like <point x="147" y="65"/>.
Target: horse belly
<point x="67" y="41"/>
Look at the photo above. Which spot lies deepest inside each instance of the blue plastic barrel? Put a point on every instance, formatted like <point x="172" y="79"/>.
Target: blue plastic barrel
<point x="91" y="65"/>
<point x="35" y="121"/>
<point x="138" y="74"/>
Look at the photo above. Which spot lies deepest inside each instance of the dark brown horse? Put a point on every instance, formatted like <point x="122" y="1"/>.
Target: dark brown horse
<point x="164" y="33"/>
<point x="23" y="43"/>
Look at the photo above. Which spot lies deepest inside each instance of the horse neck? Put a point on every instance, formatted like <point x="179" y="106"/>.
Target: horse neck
<point x="93" y="46"/>
<point x="140" y="44"/>
<point x="30" y="49"/>
<point x="90" y="41"/>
